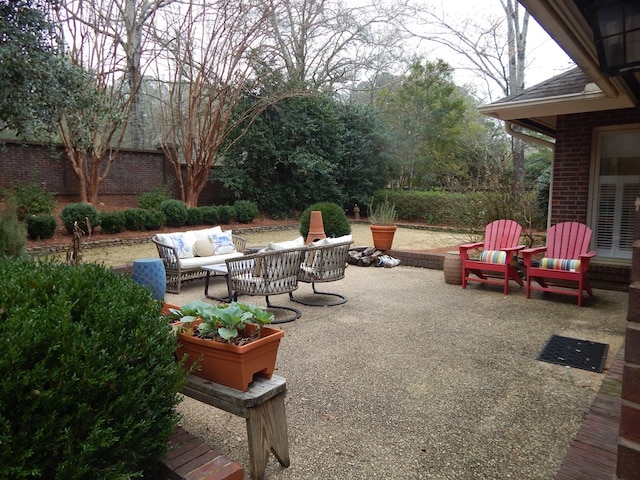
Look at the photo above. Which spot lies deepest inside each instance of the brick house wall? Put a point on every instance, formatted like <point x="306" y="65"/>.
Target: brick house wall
<point x="573" y="158"/>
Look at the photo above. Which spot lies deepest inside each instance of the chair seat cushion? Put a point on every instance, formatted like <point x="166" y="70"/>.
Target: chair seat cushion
<point x="568" y="265"/>
<point x="493" y="256"/>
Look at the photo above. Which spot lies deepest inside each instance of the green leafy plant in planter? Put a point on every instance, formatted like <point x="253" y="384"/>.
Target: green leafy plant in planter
<point x="226" y="343"/>
<point x="222" y="322"/>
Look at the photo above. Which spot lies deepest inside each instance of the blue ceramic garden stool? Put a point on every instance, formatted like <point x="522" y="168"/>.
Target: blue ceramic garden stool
<point x="150" y="272"/>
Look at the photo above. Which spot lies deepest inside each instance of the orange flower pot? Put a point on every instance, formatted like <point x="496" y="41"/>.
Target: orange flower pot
<point x="231" y="365"/>
<point x="383" y="236"/>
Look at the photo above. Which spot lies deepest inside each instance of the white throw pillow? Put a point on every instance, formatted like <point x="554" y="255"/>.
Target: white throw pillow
<point x="205" y="233"/>
<point x="223" y="242"/>
<point x="183" y="245"/>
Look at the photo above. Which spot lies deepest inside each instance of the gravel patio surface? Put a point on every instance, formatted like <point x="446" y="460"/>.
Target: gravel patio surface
<point x="414" y="378"/>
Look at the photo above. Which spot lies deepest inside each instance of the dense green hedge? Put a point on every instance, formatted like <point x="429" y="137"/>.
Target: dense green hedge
<point x="89" y="383"/>
<point x="467" y="210"/>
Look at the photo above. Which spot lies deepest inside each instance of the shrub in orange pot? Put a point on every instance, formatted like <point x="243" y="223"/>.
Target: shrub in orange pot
<point x="228" y="343"/>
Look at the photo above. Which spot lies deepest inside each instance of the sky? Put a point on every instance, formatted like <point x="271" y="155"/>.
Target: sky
<point x="546" y="59"/>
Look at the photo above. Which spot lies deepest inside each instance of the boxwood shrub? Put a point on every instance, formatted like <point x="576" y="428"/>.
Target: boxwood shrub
<point x="175" y="211"/>
<point x="154" y="219"/>
<point x="194" y="216"/>
<point x="210" y="215"/>
<point x="112" y="222"/>
<point x="334" y="219"/>
<point x="89" y="384"/>
<point x="245" y="211"/>
<point x="226" y="213"/>
<point x="41" y="226"/>
<point x="79" y="212"/>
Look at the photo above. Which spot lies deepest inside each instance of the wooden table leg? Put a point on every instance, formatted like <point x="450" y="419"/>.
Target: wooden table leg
<point x="267" y="432"/>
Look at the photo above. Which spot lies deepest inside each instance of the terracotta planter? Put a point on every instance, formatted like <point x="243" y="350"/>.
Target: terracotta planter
<point x="383" y="236"/>
<point x="232" y="365"/>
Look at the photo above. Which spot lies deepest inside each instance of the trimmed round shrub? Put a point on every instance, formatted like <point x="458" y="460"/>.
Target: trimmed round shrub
<point x="134" y="218"/>
<point x="79" y="212"/>
<point x="40" y="227"/>
<point x="112" y="222"/>
<point x="89" y="383"/>
<point x="194" y="216"/>
<point x="245" y="211"/>
<point x="210" y="215"/>
<point x="334" y="219"/>
<point x="154" y="219"/>
<point x="175" y="211"/>
<point x="226" y="213"/>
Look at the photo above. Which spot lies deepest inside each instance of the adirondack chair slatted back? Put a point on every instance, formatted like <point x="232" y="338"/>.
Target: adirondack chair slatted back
<point x="501" y="234"/>
<point x="568" y="240"/>
<point x="568" y="246"/>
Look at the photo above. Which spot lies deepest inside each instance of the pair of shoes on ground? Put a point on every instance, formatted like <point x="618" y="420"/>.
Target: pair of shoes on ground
<point x="387" y="261"/>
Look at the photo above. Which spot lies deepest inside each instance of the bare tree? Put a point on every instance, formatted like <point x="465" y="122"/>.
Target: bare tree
<point x="92" y="125"/>
<point x="207" y="67"/>
<point x="137" y="16"/>
<point x="128" y="24"/>
<point x="104" y="43"/>
<point x="494" y="46"/>
<point x="324" y="43"/>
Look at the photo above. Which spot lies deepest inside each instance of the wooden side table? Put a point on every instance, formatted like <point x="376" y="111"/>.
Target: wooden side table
<point x="262" y="407"/>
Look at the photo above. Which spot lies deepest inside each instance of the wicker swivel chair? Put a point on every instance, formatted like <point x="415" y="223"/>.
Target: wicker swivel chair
<point x="323" y="263"/>
<point x="266" y="274"/>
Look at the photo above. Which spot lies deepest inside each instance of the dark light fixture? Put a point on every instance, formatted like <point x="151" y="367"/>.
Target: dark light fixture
<point x="616" y="31"/>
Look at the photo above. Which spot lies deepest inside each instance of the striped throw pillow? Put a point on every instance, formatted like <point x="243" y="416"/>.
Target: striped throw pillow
<point x="493" y="256"/>
<point x="560" y="264"/>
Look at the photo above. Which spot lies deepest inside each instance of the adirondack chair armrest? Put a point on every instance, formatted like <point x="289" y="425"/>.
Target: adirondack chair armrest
<point x="464" y="249"/>
<point x="585" y="259"/>
<point x="528" y="253"/>
<point x="513" y="249"/>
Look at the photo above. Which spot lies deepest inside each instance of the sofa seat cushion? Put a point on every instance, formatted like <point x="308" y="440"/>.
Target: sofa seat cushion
<point x="199" y="262"/>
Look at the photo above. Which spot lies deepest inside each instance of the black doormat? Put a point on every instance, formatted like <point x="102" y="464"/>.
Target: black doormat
<point x="575" y="353"/>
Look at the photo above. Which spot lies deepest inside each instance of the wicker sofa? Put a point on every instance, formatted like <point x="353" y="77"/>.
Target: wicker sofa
<point x="185" y="253"/>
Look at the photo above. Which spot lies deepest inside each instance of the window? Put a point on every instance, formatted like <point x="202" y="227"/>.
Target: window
<point x="618" y="184"/>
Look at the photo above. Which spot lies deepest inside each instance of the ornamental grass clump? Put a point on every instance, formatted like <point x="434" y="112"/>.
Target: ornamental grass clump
<point x="89" y="381"/>
<point x="383" y="213"/>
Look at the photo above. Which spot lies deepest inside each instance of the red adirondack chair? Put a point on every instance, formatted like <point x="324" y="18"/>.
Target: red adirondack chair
<point x="495" y="263"/>
<point x="563" y="269"/>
